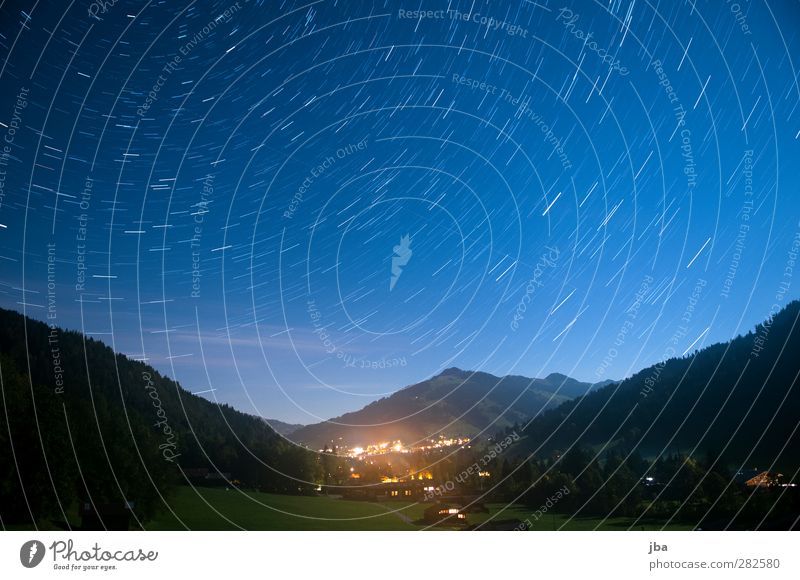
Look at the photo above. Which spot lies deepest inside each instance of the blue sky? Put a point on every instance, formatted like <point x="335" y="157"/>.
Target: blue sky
<point x="586" y="187"/>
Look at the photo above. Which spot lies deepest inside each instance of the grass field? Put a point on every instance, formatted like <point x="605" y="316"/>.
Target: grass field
<point x="220" y="509"/>
<point x="554" y="521"/>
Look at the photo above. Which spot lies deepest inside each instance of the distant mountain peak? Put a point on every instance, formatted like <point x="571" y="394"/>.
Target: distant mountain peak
<point x="453" y="371"/>
<point x="282" y="427"/>
<point x="455" y="402"/>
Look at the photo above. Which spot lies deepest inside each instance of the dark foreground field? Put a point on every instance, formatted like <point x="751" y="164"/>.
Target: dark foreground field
<point x="220" y="509"/>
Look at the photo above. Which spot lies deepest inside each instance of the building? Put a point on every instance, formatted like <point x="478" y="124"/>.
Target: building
<point x="765" y="479"/>
<point x="409" y="490"/>
<point x="391" y="489"/>
<point x="445" y="513"/>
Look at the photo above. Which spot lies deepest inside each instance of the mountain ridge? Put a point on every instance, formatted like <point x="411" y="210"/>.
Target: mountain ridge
<point x="427" y="408"/>
<point x="282" y="427"/>
<point x="733" y="400"/>
<point x="117" y="430"/>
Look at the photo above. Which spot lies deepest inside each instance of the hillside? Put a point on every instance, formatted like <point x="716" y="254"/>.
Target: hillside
<point x="453" y="403"/>
<point x="79" y="423"/>
<point x="282" y="428"/>
<point x="737" y="401"/>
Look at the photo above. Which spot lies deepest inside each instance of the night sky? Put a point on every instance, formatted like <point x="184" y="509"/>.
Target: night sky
<point x="298" y="208"/>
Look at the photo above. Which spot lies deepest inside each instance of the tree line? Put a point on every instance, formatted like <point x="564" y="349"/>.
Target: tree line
<point x="81" y="424"/>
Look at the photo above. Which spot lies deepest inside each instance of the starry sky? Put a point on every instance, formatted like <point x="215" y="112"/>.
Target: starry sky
<point x="300" y="207"/>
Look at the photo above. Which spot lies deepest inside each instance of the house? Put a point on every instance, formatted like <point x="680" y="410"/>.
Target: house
<point x="408" y="490"/>
<point x="415" y="487"/>
<point x="445" y="513"/>
<point x="765" y="479"/>
<point x="471" y="503"/>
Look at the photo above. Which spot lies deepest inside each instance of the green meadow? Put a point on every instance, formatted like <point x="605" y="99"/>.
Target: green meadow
<point x="232" y="509"/>
<point x="221" y="509"/>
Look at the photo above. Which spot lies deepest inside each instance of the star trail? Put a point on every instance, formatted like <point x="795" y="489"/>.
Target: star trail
<point x="299" y="207"/>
